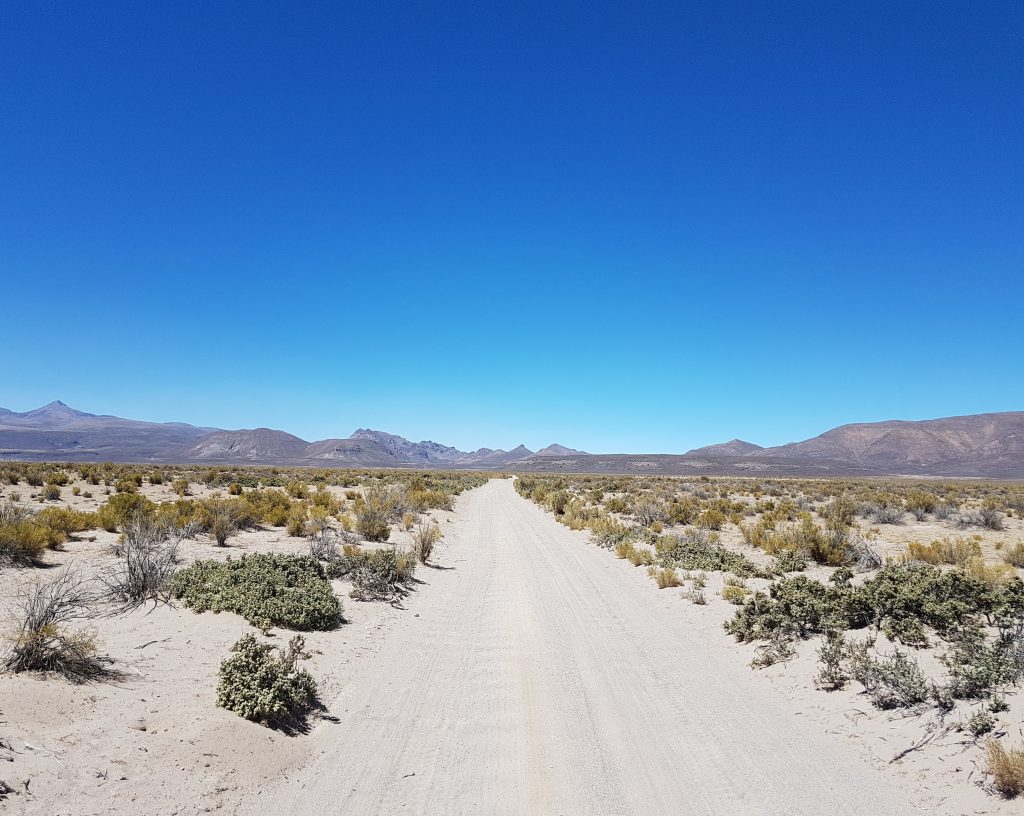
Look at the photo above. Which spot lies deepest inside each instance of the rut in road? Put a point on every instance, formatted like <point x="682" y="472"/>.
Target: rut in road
<point x="538" y="680"/>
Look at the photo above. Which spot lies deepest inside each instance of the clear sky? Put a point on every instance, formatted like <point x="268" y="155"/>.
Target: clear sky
<point x="620" y="226"/>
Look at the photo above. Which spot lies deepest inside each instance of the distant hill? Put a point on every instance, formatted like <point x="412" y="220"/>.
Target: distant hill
<point x="256" y="445"/>
<point x="981" y="445"/>
<point x="976" y="445"/>
<point x="734" y="447"/>
<point x="559" y="450"/>
<point x="57" y="431"/>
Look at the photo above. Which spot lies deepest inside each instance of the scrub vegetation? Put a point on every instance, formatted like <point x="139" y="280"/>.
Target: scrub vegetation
<point x="908" y="591"/>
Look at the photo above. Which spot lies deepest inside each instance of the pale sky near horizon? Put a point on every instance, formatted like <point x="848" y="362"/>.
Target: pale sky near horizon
<point x="622" y="228"/>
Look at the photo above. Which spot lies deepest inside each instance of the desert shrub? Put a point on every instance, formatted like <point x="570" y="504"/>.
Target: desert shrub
<point x="946" y="510"/>
<point x="147" y="553"/>
<point x="424" y="540"/>
<point x="888" y="514"/>
<point x="1006" y="767"/>
<point x="234" y="489"/>
<point x="648" y="510"/>
<point x="839" y="513"/>
<point x="988" y="517"/>
<point x="42" y="639"/>
<point x="380" y="575"/>
<point x="222" y="520"/>
<point x="863" y="557"/>
<point x="156" y="478"/>
<point x="777" y="650"/>
<point x="373" y="512"/>
<point x="664" y="578"/>
<point x="607" y="532"/>
<point x="296" y="524"/>
<point x="23" y="537"/>
<point x="263" y="687"/>
<point x="890" y="681"/>
<point x="126" y="486"/>
<point x="795" y="608"/>
<point x="66" y="521"/>
<point x="789" y="561"/>
<point x="121" y="507"/>
<point x="558" y="501"/>
<point x="617" y="504"/>
<point x="268" y="590"/>
<point x="920" y="504"/>
<point x="978" y="665"/>
<point x="423" y="500"/>
<point x="832" y="674"/>
<point x="734" y="593"/>
<point x="1014" y="556"/>
<point x="711" y="519"/>
<point x="905" y="598"/>
<point x="180" y="486"/>
<point x="944" y="551"/>
<point x="980" y="723"/>
<point x="50" y="492"/>
<point x="297" y="490"/>
<point x="698" y="549"/>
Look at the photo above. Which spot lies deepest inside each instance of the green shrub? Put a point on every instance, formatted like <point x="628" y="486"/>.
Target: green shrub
<point x="268" y="590"/>
<point x="977" y="664"/>
<point x="980" y="723"/>
<point x="892" y="681"/>
<point x="263" y="687"/>
<point x="698" y="549"/>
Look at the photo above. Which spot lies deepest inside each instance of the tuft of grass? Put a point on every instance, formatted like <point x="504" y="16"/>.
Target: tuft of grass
<point x="1006" y="767"/>
<point x="664" y="578"/>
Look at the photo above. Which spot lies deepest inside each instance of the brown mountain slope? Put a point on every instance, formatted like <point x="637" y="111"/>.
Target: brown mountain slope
<point x="967" y="445"/>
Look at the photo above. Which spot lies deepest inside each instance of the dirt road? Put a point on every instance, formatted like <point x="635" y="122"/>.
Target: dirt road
<point x="541" y="677"/>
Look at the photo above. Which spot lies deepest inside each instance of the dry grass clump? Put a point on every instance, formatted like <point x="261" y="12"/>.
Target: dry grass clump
<point x="1006" y="768"/>
<point x="664" y="577"/>
<point x="637" y="556"/>
<point x="424" y="540"/>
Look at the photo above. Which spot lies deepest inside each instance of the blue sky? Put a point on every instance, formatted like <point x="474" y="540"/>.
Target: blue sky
<point x="624" y="227"/>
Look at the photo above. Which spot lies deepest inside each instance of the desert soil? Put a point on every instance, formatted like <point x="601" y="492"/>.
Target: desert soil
<point x="532" y="675"/>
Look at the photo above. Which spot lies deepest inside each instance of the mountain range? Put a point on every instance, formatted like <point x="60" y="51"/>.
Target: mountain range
<point x="980" y="445"/>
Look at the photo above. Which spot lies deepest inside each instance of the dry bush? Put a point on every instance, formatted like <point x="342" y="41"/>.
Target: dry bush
<point x="147" y="553"/>
<point x="1006" y="768"/>
<point x="1014" y="556"/>
<point x="956" y="551"/>
<point x="888" y="514"/>
<point x="988" y="517"/>
<point x="41" y="639"/>
<point x="424" y="539"/>
<point x="648" y="510"/>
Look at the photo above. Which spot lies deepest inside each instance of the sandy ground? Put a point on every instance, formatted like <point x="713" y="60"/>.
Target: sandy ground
<point x="538" y="678"/>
